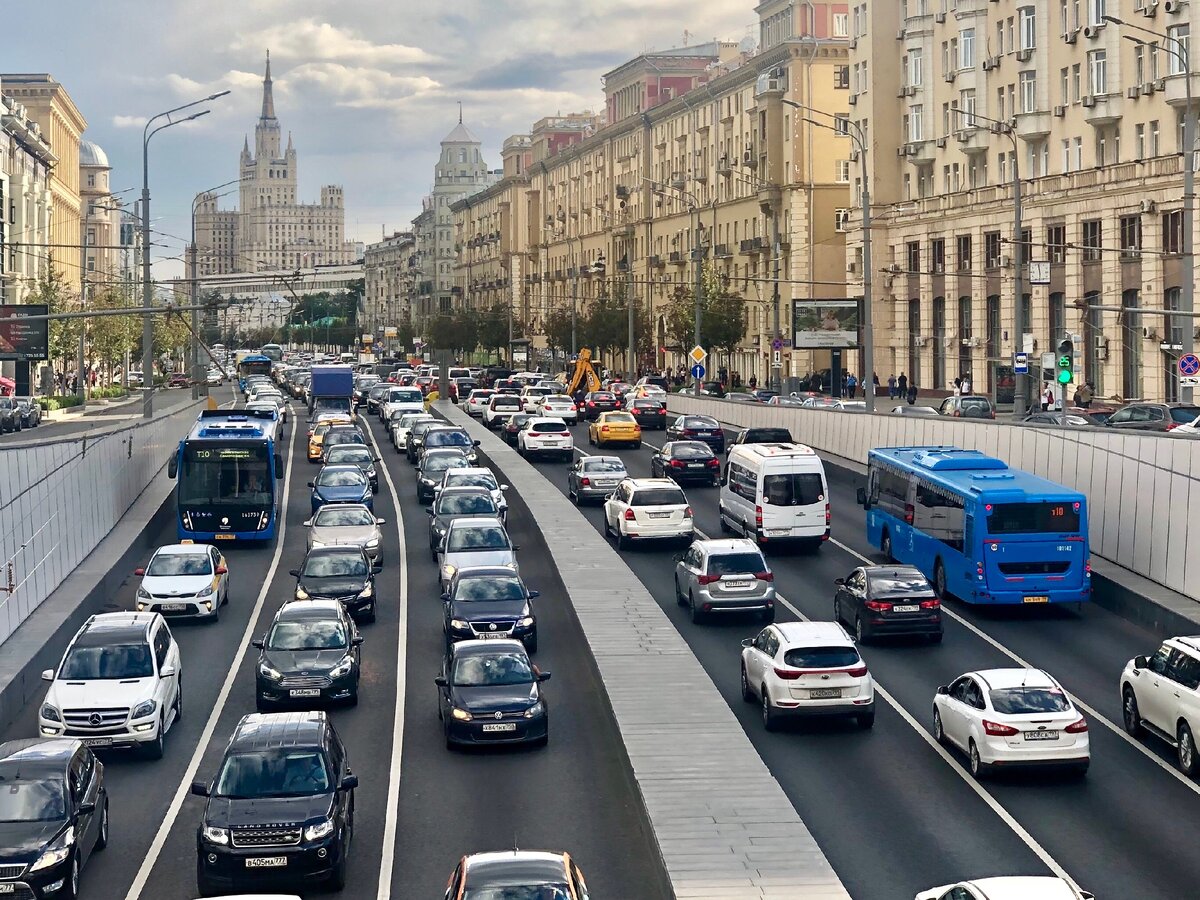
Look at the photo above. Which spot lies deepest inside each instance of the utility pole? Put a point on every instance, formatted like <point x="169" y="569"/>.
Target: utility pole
<point x="629" y="308"/>
<point x="699" y="252"/>
<point x="776" y="253"/>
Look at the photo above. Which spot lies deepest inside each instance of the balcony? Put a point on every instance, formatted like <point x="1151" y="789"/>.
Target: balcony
<point x="678" y="257"/>
<point x="920" y="153"/>
<point x="655" y="261"/>
<point x="1103" y="109"/>
<point x="1033" y="126"/>
<point x="1176" y="90"/>
<point x="722" y="251"/>
<point x="973" y="140"/>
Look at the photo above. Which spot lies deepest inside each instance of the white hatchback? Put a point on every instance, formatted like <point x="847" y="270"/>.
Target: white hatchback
<point x="1007" y="887"/>
<point x="560" y="406"/>
<point x="542" y="437"/>
<point x="477" y="401"/>
<point x="806" y="669"/>
<point x="1010" y="718"/>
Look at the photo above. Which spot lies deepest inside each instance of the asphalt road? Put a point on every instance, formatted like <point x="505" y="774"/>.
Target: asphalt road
<point x="894" y="813"/>
<point x="576" y="795"/>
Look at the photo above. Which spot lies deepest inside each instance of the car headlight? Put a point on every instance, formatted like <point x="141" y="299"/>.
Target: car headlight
<point x="215" y="835"/>
<point x="322" y="829"/>
<point x="456" y="624"/>
<point x="205" y="591"/>
<point x="49" y="712"/>
<point x="316" y="544"/>
<point x="448" y="572"/>
<point x="367" y="591"/>
<point x="55" y="854"/>
<point x="143" y="593"/>
<point x="301" y="593"/>
<point x="144" y="709"/>
<point x="373" y="542"/>
<point x="536" y="710"/>
<point x="266" y="671"/>
<point x="342" y="668"/>
<point x="526" y="621"/>
<point x="461" y="714"/>
<point x="371" y="472"/>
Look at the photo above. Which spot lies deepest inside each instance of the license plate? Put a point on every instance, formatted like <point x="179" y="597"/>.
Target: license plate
<point x="778" y="532"/>
<point x="226" y="537"/>
<point x="8" y="888"/>
<point x="1041" y="735"/>
<point x="492" y="635"/>
<point x="659" y="515"/>
<point x="266" y="862"/>
<point x="501" y="726"/>
<point x="304" y="692"/>
<point x="1037" y="599"/>
<point x="907" y="607"/>
<point x="98" y="741"/>
<point x="172" y="607"/>
<point x="824" y="693"/>
<point x="695" y="465"/>
<point x="737" y="585"/>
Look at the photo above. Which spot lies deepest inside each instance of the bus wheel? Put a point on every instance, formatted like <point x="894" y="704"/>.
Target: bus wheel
<point x="885" y="546"/>
<point x="939" y="580"/>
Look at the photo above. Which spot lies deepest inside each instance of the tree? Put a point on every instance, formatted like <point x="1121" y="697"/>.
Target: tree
<point x="492" y="332"/>
<point x="557" y="327"/>
<point x="111" y="337"/>
<point x="454" y="331"/>
<point x="722" y="314"/>
<point x="63" y="334"/>
<point x="405" y="332"/>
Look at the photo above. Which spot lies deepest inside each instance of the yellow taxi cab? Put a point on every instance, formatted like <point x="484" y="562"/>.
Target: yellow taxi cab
<point x="316" y="440"/>
<point x="615" y="428"/>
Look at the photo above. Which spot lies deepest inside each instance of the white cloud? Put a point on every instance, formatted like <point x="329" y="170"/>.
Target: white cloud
<point x="309" y="39"/>
<point x="128" y="121"/>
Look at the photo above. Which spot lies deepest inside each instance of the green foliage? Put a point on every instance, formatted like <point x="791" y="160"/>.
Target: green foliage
<point x="111" y="337"/>
<point x="722" y="314"/>
<point x="492" y="333"/>
<point x="405" y="332"/>
<point x="456" y="331"/>
<point x="557" y="328"/>
<point x="52" y="289"/>
<point x="60" y="401"/>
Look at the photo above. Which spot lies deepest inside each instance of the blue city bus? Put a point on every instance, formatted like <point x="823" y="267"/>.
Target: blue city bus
<point x="254" y="364"/>
<point x="977" y="529"/>
<point x="273" y="352"/>
<point x="227" y="470"/>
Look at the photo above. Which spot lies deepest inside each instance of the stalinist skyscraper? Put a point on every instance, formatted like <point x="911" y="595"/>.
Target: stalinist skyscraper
<point x="270" y="229"/>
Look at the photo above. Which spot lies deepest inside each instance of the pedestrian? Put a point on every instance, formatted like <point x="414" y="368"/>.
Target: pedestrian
<point x="912" y="394"/>
<point x="966" y="385"/>
<point x="851" y="384"/>
<point x="1048" y="397"/>
<point x="957" y="388"/>
<point x="902" y="385"/>
<point x="875" y="384"/>
<point x="892" y="386"/>
<point x="1085" y="395"/>
<point x="753" y="382"/>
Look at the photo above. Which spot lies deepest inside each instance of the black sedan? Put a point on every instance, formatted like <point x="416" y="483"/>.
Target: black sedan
<point x="339" y="573"/>
<point x="10" y="418"/>
<point x="433" y="466"/>
<point x="512" y="425"/>
<point x="310" y="657"/>
<point x="489" y="603"/>
<point x="883" y="600"/>
<point x="597" y="402"/>
<point x="416" y="438"/>
<point x="697" y="428"/>
<point x="686" y="461"/>
<point x="490" y="693"/>
<point x="29" y="411"/>
<point x="649" y="414"/>
<point x="455" y="502"/>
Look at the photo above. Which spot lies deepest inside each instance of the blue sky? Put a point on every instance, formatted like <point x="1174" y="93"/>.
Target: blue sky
<point x="367" y="88"/>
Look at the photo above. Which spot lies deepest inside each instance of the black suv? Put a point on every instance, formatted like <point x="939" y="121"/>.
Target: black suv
<point x="761" y="436"/>
<point x="339" y="573"/>
<point x="281" y="808"/>
<point x="54" y="807"/>
<point x="309" y="657"/>
<point x="489" y="602"/>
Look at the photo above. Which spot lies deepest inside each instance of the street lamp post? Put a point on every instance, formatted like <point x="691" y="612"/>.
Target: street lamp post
<point x="1182" y="53"/>
<point x="194" y="292"/>
<point x="147" y="286"/>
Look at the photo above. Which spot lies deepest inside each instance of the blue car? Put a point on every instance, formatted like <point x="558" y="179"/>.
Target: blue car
<point x="341" y="484"/>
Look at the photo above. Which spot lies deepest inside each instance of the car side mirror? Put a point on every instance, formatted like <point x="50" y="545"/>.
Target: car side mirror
<point x="199" y="788"/>
<point x="678" y="557"/>
<point x="515" y="548"/>
<point x="376" y="569"/>
<point x="504" y="487"/>
<point x="839" y="581"/>
<point x="356" y="641"/>
<point x="310" y="484"/>
<point x="861" y="495"/>
<point x="48" y="675"/>
<point x="747" y="642"/>
<point x="543" y="676"/>
<point x="533" y="594"/>
<point x="295" y="573"/>
<point x="167" y="672"/>
<point x="307" y="523"/>
<point x="1139" y="662"/>
<point x="349" y="782"/>
<point x="943" y="690"/>
<point x="222" y="570"/>
<point x="172" y="467"/>
<point x="85" y="809"/>
<point x="139" y="571"/>
<point x="476" y="443"/>
<point x="381" y="521"/>
<point x="258" y="643"/>
<point x="430" y="513"/>
<point x="440" y="681"/>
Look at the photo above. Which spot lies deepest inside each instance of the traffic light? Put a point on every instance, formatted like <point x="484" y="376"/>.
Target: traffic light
<point x="1066" y="361"/>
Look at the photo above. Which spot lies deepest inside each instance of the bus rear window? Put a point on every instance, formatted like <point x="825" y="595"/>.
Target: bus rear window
<point x="1033" y="518"/>
<point x="793" y="489"/>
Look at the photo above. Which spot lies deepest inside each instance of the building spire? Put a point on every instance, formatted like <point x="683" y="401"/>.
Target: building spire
<point x="268" y="105"/>
<point x="459" y="112"/>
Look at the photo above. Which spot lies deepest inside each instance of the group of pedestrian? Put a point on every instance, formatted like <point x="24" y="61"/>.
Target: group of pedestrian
<point x="900" y="388"/>
<point x="962" y="386"/>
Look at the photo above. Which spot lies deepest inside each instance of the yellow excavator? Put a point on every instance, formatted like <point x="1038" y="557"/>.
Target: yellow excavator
<point x="584" y="376"/>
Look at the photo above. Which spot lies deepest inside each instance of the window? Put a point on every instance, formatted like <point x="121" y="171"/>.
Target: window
<point x="1097" y="10"/>
<point x="966" y="48"/>
<point x="1092" y="240"/>
<point x="914" y="256"/>
<point x="1131" y="346"/>
<point x="1064" y="86"/>
<point x="1028" y="29"/>
<point x="1056" y="243"/>
<point x="1058" y="316"/>
<point x="1066" y="154"/>
<point x="991" y="250"/>
<point x="1154" y="138"/>
<point x="1028" y="82"/>
<point x="841" y="219"/>
<point x="843" y="171"/>
<point x="841" y="25"/>
<point x="915" y="353"/>
<point x="1139" y="142"/>
<point x="1000" y="37"/>
<point x="938" y="252"/>
<point x="91" y="236"/>
<point x="1077" y="147"/>
<point x="916" y="68"/>
<point x="1139" y="63"/>
<point x="1131" y="237"/>
<point x="1076" y="82"/>
<point x="963" y="252"/>
<point x="1172" y="226"/>
<point x="841" y="123"/>
<point x="966" y="103"/>
<point x="841" y="77"/>
<point x="916" y="130"/>
<point x="1064" y="19"/>
<point x="1097" y="72"/>
<point x="939" y="340"/>
<point x="1174" y="324"/>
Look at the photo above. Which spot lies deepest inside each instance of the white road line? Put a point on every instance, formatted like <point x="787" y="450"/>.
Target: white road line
<point x="390" y="823"/>
<point x="164" y="829"/>
<point x="1005" y="816"/>
<point x="1118" y="730"/>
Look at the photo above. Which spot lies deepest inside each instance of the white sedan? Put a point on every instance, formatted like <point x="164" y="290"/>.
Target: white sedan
<point x="1010" y="718"/>
<point x="184" y="580"/>
<point x="559" y="406"/>
<point x="544" y="436"/>
<point x="1007" y="887"/>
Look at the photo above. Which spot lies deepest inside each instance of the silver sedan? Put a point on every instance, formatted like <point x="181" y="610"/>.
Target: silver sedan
<point x="348" y="524"/>
<point x="594" y="477"/>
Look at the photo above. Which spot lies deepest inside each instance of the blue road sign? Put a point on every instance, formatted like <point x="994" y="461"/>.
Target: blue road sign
<point x="777" y="344"/>
<point x="697" y="371"/>
<point x="1189" y="364"/>
<point x="1021" y="363"/>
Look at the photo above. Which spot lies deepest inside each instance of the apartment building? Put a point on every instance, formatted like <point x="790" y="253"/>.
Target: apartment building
<point x="386" y="273"/>
<point x="1082" y="102"/>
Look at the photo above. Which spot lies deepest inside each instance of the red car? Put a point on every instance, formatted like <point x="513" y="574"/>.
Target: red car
<point x="425" y="382"/>
<point x="178" y="379"/>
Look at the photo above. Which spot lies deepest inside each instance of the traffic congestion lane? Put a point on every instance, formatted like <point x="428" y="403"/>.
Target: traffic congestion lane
<point x="366" y="730"/>
<point x="577" y="794"/>
<point x="1070" y="820"/>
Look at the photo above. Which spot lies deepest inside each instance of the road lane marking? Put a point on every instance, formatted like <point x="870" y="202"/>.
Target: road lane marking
<point x="189" y="775"/>
<point x="391" y="820"/>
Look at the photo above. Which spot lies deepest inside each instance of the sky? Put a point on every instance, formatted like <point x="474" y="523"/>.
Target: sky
<point x="366" y="88"/>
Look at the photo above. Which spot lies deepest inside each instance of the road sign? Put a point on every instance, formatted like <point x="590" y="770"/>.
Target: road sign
<point x="776" y="360"/>
<point x="698" y="354"/>
<point x="1189" y="364"/>
<point x="1021" y="363"/>
<point x="777" y="344"/>
<point x="697" y="371"/>
<point x="1191" y="381"/>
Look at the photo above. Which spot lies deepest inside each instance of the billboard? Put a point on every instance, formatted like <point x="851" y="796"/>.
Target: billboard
<point x="826" y="324"/>
<point x="21" y="339"/>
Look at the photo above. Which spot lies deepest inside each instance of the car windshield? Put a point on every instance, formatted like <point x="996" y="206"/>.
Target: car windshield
<point x="472" y="479"/>
<point x="1017" y="701"/>
<point x="443" y="461"/>
<point x="466" y="504"/>
<point x="278" y="772"/>
<point x="603" y="465"/>
<point x="899" y="584"/>
<point x="687" y="450"/>
<point x="349" y="454"/>
<point x="341" y="478"/>
<point x="736" y="564"/>
<point x="405" y="397"/>
<point x="308" y="634"/>
<point x="506" y="401"/>
<point x="658" y="497"/>
<point x="490" y="587"/>
<point x="495" y="669"/>
<point x="793" y="489"/>
<point x="618" y="418"/>
<point x="349" y="436"/>
<point x="167" y="564"/>
<point x="116" y="661"/>
<point x="337" y="516"/>
<point x="518" y="892"/>
<point x="477" y="537"/>
<point x="335" y="565"/>
<point x="820" y="657"/>
<point x="30" y="801"/>
<point x="447" y="439"/>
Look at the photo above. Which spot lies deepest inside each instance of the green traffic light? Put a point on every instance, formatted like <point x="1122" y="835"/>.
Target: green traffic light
<point x="1064" y="376"/>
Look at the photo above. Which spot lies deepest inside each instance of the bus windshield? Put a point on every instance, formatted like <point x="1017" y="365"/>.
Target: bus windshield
<point x="273" y="352"/>
<point x="248" y="367"/>
<point x="225" y="475"/>
<point x="1034" y="518"/>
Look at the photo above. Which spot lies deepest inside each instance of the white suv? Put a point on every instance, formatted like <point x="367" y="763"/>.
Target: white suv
<point x="477" y="401"/>
<point x="806" y="669"/>
<point x="643" y="508"/>
<point x="546" y="436"/>
<point x="1160" y="694"/>
<point x="500" y="407"/>
<point x="533" y="395"/>
<point x="119" y="684"/>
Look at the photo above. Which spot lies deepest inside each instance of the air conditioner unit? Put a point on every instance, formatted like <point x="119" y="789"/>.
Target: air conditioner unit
<point x="1005" y="262"/>
<point x="851" y="267"/>
<point x="949" y="76"/>
<point x="1071" y="36"/>
<point x="853" y="43"/>
<point x="1160" y="84"/>
<point x="1012" y="122"/>
<point x="853" y="156"/>
<point x="900" y="35"/>
<point x="1060" y="111"/>
<point x="1133" y="92"/>
<point x="996" y="127"/>
<point x="749" y="160"/>
<point x="911" y="90"/>
<point x="941" y="142"/>
<point x="853" y="99"/>
<point x="902" y="150"/>
<point x="920" y="340"/>
<point x="1149" y="8"/>
<point x="1089" y="101"/>
<point x="1149" y="333"/>
<point x="1147" y="206"/>
<point x="1173" y="6"/>
<point x="1024" y="55"/>
<point x="1091" y="32"/>
<point x="1149" y="88"/>
<point x="976" y="342"/>
<point x="939" y="17"/>
<point x="893" y="269"/>
<point x="988" y="65"/>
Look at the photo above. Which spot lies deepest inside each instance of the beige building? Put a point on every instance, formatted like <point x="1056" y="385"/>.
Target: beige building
<point x="386" y="273"/>
<point x="26" y="160"/>
<point x="697" y="143"/>
<point x="101" y="225"/>
<point x="957" y="98"/>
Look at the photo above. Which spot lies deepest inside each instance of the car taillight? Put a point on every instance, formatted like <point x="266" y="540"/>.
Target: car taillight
<point x="687" y="513"/>
<point x="931" y="604"/>
<point x="1087" y="568"/>
<point x="585" y="481"/>
<point x="564" y="434"/>
<point x="1077" y="727"/>
<point x="995" y="729"/>
<point x="714" y="463"/>
<point x="908" y="513"/>
<point x="708" y="579"/>
<point x="677" y="464"/>
<point x="878" y="605"/>
<point x="591" y="403"/>
<point x="992" y="414"/>
<point x="828" y="514"/>
<point x="787" y="674"/>
<point x="688" y="432"/>
<point x="629" y="516"/>
<point x="758" y="516"/>
<point x="618" y="404"/>
<point x="765" y="576"/>
<point x="857" y="672"/>
<point x="604" y="428"/>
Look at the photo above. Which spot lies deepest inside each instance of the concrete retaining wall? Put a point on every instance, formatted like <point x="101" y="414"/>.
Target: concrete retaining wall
<point x="1140" y="487"/>
<point x="58" y="500"/>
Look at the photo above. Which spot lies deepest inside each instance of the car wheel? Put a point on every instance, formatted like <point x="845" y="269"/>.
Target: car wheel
<point x="837" y="610"/>
<point x="154" y="749"/>
<point x="1186" y="750"/>
<point x="978" y="767"/>
<point x="860" y="633"/>
<point x="885" y="546"/>
<point x="747" y="694"/>
<point x="770" y="718"/>
<point x="867" y="719"/>
<point x="939" y="733"/>
<point x="679" y="597"/>
<point x="939" y="580"/>
<point x="697" y="614"/>
<point x="1131" y="716"/>
<point x="622" y="541"/>
<point x="337" y="881"/>
<point x="102" y="836"/>
<point x="721" y="520"/>
<point x="178" y="703"/>
<point x="637" y="445"/>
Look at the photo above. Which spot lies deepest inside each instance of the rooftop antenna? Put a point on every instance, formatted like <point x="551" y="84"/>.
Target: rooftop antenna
<point x="459" y="112"/>
<point x="687" y="36"/>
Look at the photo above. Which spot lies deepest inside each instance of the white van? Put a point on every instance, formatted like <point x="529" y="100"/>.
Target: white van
<point x="775" y="492"/>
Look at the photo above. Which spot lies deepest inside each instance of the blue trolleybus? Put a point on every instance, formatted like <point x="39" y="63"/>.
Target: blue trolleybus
<point x="254" y="364"/>
<point x="979" y="530"/>
<point x="228" y="471"/>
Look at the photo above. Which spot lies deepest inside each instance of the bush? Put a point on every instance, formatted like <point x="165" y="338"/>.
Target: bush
<point x="62" y="401"/>
<point x="108" y="393"/>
